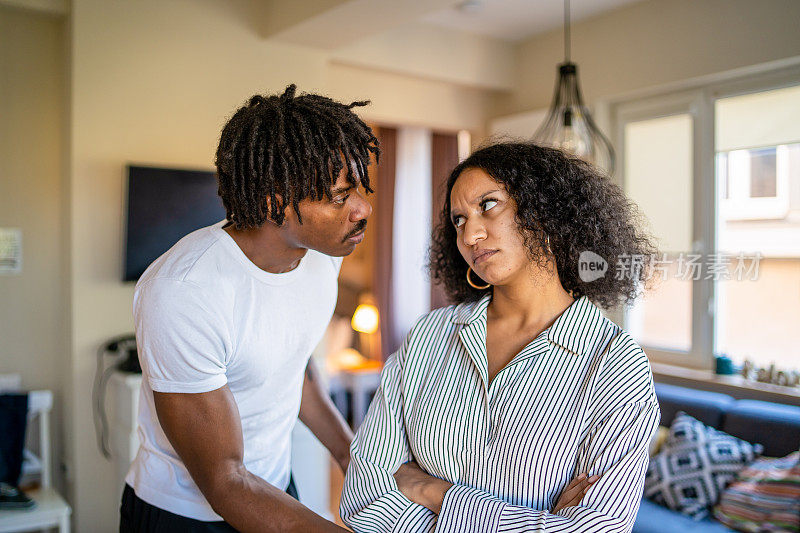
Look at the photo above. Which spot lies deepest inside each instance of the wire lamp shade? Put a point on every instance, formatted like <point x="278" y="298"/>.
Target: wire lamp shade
<point x="569" y="125"/>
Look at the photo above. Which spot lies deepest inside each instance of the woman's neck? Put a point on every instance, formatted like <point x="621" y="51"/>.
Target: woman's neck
<point x="533" y="302"/>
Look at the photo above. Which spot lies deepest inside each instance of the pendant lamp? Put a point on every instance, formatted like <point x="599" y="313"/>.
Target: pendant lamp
<point x="568" y="125"/>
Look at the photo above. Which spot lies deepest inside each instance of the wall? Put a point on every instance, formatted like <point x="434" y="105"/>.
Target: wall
<point x="653" y="43"/>
<point x="32" y="304"/>
<point x="403" y="100"/>
<point x="154" y="82"/>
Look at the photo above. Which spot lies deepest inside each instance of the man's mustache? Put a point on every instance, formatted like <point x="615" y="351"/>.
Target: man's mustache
<point x="360" y="225"/>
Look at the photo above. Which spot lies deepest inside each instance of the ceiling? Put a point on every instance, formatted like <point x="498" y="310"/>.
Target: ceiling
<point x="515" y="20"/>
<point x="469" y="43"/>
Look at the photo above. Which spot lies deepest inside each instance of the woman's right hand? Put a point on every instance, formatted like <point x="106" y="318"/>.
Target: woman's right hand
<point x="574" y="492"/>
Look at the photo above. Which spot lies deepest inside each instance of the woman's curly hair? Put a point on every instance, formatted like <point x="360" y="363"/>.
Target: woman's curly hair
<point x="286" y="148"/>
<point x="561" y="198"/>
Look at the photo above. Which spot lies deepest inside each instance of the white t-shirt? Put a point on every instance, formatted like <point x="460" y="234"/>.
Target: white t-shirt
<point x="206" y="316"/>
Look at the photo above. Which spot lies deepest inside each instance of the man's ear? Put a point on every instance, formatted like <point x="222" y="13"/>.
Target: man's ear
<point x="268" y="201"/>
<point x="293" y="216"/>
<point x="288" y="213"/>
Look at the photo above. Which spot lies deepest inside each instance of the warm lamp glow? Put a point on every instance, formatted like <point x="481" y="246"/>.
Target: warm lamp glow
<point x="348" y="358"/>
<point x="365" y="319"/>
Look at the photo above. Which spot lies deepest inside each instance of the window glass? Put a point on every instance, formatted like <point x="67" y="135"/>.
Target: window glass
<point x="758" y="227"/>
<point x="658" y="177"/>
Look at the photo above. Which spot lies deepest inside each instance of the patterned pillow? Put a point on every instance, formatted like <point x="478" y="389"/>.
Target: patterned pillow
<point x="695" y="464"/>
<point x="764" y="497"/>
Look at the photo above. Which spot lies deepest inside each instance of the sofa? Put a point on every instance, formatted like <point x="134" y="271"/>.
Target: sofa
<point x="775" y="426"/>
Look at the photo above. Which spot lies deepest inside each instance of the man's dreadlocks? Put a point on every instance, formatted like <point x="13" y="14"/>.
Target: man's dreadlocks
<point x="288" y="148"/>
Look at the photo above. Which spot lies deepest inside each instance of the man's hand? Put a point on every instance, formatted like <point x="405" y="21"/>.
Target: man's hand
<point x="420" y="487"/>
<point x="206" y="432"/>
<point x="574" y="492"/>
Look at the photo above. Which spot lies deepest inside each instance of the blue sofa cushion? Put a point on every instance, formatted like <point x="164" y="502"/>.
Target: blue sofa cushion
<point x="707" y="407"/>
<point x="654" y="518"/>
<point x="775" y="426"/>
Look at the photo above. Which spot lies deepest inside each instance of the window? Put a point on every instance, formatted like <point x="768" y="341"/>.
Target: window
<point x="758" y="309"/>
<point x="715" y="170"/>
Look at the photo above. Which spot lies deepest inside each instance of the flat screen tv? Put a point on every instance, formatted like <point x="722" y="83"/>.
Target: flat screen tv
<point x="164" y="205"/>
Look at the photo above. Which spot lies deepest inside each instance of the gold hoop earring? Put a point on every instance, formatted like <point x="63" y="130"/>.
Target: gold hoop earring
<point x="472" y="283"/>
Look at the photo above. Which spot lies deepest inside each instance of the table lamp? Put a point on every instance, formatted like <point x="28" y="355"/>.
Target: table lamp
<point x="366" y="321"/>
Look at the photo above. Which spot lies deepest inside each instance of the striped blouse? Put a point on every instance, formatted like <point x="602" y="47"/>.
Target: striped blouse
<point x="578" y="398"/>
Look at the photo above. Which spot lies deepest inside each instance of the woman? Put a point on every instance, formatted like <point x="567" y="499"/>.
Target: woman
<point x="499" y="401"/>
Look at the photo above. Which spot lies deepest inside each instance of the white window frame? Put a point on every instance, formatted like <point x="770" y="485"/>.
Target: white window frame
<point x="697" y="98"/>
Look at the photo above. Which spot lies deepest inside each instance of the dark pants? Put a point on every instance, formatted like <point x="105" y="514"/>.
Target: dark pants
<point x="138" y="516"/>
<point x="13" y="421"/>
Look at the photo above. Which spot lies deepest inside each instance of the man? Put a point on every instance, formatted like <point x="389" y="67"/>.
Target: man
<point x="227" y="318"/>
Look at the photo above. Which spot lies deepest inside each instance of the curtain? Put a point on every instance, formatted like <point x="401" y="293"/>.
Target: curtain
<point x="444" y="157"/>
<point x="384" y="225"/>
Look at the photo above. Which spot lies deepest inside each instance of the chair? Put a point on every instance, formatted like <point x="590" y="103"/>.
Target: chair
<point x="51" y="510"/>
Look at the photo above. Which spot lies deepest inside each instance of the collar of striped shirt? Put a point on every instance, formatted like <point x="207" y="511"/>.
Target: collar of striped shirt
<point x="575" y="329"/>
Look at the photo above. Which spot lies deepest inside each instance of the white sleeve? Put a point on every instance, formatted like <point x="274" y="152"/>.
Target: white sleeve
<point x="181" y="337"/>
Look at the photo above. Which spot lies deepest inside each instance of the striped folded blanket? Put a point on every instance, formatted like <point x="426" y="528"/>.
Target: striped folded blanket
<point x="765" y="496"/>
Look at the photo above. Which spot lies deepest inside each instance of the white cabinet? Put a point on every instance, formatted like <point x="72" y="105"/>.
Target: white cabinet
<point x="122" y="404"/>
